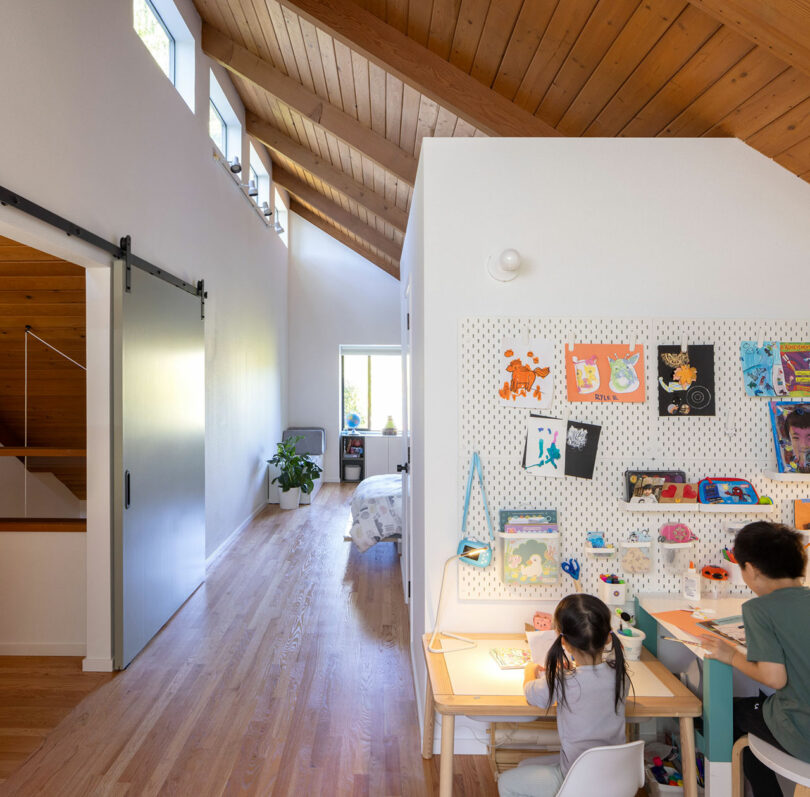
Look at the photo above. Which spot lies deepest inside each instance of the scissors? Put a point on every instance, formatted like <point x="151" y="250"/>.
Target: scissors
<point x="571" y="568"/>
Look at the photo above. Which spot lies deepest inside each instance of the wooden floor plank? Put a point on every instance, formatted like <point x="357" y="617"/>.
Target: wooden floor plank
<point x="287" y="672"/>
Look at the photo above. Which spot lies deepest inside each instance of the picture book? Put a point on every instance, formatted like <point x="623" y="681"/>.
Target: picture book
<point x="796" y="368"/>
<point x="685" y="380"/>
<point x="525" y="378"/>
<point x="511" y="658"/>
<point x="730" y="628"/>
<point x="634" y="480"/>
<point x="790" y="423"/>
<point x="515" y="516"/>
<point x="801" y="514"/>
<point x="604" y="372"/>
<point x="581" y="444"/>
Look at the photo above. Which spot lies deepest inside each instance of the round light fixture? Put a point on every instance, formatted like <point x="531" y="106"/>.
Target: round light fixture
<point x="505" y="266"/>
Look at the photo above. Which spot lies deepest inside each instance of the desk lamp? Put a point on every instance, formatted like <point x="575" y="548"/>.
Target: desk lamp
<point x="467" y="554"/>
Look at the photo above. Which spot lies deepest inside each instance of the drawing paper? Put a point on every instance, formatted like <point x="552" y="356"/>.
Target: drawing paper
<point x="685" y="381"/>
<point x="525" y="378"/>
<point x="604" y="372"/>
<point x="581" y="444"/>
<point x="544" y="452"/>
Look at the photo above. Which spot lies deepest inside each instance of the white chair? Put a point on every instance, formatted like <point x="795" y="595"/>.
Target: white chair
<point x="778" y="761"/>
<point x="615" y="771"/>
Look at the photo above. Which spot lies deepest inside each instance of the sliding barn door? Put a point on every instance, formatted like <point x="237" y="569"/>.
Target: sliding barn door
<point x="159" y="456"/>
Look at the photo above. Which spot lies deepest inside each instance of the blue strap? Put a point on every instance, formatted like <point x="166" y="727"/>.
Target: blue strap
<point x="475" y="466"/>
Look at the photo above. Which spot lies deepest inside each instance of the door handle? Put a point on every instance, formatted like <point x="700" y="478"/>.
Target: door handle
<point x="126" y="489"/>
<point x="404" y="468"/>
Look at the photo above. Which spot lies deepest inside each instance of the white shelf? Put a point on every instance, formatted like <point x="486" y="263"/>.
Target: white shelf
<point x="720" y="509"/>
<point x="628" y="507"/>
<point x="786" y="477"/>
<point x="739" y="509"/>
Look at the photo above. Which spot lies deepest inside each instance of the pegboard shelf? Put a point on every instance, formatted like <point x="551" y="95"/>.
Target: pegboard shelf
<point x="737" y="440"/>
<point x="739" y="509"/>
<point x="786" y="477"/>
<point x="628" y="507"/>
<point x="750" y="509"/>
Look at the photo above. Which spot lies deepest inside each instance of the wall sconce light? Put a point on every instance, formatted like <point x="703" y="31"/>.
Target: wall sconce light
<point x="266" y="209"/>
<point x="234" y="165"/>
<point x="251" y="187"/>
<point x="277" y="227"/>
<point x="505" y="266"/>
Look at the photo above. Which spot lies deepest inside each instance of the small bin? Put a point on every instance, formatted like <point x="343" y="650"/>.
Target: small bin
<point x="351" y="473"/>
<point x="529" y="558"/>
<point x="656" y="789"/>
<point x="632" y="644"/>
<point x="734" y="574"/>
<point x="636" y="557"/>
<point x="613" y="594"/>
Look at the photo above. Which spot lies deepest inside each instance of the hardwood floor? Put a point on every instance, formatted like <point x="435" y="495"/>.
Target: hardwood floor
<point x="286" y="673"/>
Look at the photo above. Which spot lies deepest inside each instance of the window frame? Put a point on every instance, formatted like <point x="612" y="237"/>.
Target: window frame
<point x="223" y="125"/>
<point x="369" y="352"/>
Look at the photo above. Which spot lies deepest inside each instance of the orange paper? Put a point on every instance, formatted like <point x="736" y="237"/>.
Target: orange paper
<point x="604" y="372"/>
<point x="801" y="514"/>
<point x="682" y="618"/>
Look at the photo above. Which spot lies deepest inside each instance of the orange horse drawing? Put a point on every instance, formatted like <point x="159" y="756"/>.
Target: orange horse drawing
<point x="523" y="376"/>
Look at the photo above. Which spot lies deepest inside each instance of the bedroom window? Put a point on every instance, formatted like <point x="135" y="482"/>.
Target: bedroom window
<point x="371" y="380"/>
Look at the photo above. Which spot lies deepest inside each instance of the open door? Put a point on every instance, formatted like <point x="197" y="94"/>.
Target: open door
<point x="405" y="459"/>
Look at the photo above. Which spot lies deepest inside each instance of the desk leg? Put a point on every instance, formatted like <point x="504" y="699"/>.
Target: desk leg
<point x="688" y="762"/>
<point x="446" y="760"/>
<point x="717" y="726"/>
<point x="430" y="719"/>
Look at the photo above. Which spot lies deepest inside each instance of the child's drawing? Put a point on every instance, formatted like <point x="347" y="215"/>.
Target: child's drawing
<point x="525" y="377"/>
<point x="623" y="376"/>
<point x="604" y="372"/>
<point x="686" y="380"/>
<point x="544" y="454"/>
<point x="762" y="369"/>
<point x="587" y="375"/>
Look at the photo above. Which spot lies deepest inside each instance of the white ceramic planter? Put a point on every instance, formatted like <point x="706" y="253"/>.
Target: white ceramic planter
<point x="288" y="499"/>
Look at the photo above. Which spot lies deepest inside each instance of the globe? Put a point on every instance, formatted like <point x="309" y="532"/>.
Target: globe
<point x="352" y="420"/>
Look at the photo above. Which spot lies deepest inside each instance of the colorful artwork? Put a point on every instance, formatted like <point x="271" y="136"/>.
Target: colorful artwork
<point x="604" y="372"/>
<point x="530" y="561"/>
<point x="544" y="453"/>
<point x="525" y="378"/>
<point x="762" y="368"/>
<point x="685" y="380"/>
<point x="581" y="444"/>
<point x="790" y="422"/>
<point x="796" y="367"/>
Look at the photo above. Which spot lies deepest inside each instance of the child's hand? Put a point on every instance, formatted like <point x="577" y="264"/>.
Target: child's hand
<point x="717" y="648"/>
<point x="532" y="671"/>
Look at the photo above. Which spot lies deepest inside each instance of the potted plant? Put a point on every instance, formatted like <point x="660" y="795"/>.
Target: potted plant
<point x="297" y="472"/>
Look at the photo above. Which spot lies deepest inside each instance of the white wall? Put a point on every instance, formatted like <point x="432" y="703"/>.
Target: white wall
<point x="99" y="135"/>
<point x="335" y="297"/>
<point x="607" y="227"/>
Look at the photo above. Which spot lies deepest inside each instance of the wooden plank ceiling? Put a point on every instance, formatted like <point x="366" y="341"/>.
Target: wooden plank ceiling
<point x="47" y="294"/>
<point x="342" y="93"/>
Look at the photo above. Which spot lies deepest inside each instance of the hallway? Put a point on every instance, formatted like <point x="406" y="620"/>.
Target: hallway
<point x="286" y="673"/>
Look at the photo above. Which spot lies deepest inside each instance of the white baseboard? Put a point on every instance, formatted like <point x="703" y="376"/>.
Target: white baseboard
<point x="41" y="649"/>
<point x="97" y="665"/>
<point x="229" y="540"/>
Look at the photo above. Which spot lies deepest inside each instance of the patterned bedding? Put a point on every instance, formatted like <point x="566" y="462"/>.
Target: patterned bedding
<point x="377" y="511"/>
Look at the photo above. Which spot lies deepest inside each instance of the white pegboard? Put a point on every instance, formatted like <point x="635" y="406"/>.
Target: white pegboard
<point x="736" y="441"/>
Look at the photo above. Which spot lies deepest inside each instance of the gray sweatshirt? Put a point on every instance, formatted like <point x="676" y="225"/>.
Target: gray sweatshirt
<point x="588" y="719"/>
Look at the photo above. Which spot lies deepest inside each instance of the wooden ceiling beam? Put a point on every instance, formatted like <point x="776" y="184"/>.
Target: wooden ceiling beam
<point x="271" y="137"/>
<point x="780" y="26"/>
<point x="313" y="218"/>
<point x="420" y="68"/>
<point x="242" y="62"/>
<point x="304" y="192"/>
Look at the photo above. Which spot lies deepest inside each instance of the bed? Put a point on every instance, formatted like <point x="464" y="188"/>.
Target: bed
<point x="377" y="511"/>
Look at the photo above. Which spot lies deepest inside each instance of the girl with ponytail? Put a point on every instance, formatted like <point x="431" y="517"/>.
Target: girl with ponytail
<point x="590" y="694"/>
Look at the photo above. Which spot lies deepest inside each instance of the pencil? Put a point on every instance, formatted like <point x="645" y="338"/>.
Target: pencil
<point x="683" y="641"/>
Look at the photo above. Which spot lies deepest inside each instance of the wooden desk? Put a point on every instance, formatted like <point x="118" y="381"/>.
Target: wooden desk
<point x="440" y="697"/>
